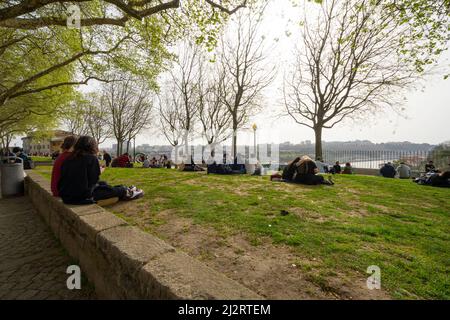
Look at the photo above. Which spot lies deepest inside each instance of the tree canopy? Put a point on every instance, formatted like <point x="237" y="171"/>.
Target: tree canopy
<point x="40" y="57"/>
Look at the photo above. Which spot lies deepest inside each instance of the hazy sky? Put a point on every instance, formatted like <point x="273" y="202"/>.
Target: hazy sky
<point x="426" y="116"/>
<point x="425" y="119"/>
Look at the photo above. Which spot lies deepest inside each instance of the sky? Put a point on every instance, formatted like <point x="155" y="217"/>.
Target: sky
<point x="426" y="111"/>
<point x="425" y="119"/>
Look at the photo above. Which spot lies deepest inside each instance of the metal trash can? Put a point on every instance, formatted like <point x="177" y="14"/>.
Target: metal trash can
<point x="12" y="176"/>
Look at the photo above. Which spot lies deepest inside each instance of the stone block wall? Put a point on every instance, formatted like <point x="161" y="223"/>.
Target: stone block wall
<point x="124" y="262"/>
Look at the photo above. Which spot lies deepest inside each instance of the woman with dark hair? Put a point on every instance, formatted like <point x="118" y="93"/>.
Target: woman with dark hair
<point x="66" y="147"/>
<point x="307" y="173"/>
<point x="80" y="173"/>
<point x="289" y="171"/>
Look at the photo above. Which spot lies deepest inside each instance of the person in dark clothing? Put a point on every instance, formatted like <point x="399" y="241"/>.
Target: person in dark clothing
<point x="337" y="169"/>
<point x="307" y="173"/>
<point x="107" y="158"/>
<point x="26" y="160"/>
<point x="388" y="170"/>
<point x="80" y="173"/>
<point x="66" y="148"/>
<point x="429" y="167"/>
<point x="289" y="171"/>
<point x="441" y="180"/>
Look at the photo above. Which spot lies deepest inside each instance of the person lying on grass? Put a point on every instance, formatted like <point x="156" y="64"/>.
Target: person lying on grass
<point x="441" y="180"/>
<point x="307" y="173"/>
<point x="303" y="171"/>
<point x="289" y="171"/>
<point x="80" y="173"/>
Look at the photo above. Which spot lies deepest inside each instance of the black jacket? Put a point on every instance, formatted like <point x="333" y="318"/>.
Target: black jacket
<point x="79" y="176"/>
<point x="388" y="171"/>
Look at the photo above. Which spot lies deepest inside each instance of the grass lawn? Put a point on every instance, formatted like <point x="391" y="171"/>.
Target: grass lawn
<point x="41" y="159"/>
<point x="330" y="236"/>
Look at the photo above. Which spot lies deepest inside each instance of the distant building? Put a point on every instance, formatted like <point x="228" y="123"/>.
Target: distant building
<point x="44" y="146"/>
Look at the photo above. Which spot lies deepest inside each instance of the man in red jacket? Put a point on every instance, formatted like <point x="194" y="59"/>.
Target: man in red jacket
<point x="66" y="147"/>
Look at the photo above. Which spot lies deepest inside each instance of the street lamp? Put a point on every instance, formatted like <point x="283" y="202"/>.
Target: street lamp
<point x="134" y="149"/>
<point x="254" y="127"/>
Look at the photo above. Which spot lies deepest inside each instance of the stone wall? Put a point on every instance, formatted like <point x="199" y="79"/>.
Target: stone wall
<point x="367" y="172"/>
<point x="122" y="261"/>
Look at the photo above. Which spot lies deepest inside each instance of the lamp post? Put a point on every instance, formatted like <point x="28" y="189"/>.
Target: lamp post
<point x="254" y="127"/>
<point x="134" y="149"/>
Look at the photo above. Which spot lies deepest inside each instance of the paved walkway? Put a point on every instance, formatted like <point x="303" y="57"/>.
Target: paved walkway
<point x="32" y="262"/>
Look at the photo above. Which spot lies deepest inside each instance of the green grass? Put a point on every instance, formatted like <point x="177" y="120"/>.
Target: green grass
<point x="395" y="224"/>
<point x="41" y="159"/>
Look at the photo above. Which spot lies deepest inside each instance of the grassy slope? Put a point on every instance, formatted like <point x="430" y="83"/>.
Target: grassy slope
<point x="362" y="221"/>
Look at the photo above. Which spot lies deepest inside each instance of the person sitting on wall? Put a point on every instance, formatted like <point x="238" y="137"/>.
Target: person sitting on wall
<point x="80" y="172"/>
<point x="404" y="171"/>
<point x="337" y="169"/>
<point x="348" y="169"/>
<point x="290" y="170"/>
<point x="388" y="170"/>
<point x="306" y="173"/>
<point x="124" y="161"/>
<point x="429" y="167"/>
<point x="66" y="149"/>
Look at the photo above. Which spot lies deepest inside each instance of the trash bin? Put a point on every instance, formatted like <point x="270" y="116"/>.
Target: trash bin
<point x="12" y="176"/>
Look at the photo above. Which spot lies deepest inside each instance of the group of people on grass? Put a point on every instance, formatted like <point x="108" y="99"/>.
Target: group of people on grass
<point x="431" y="176"/>
<point x="76" y="175"/>
<point x="304" y="170"/>
<point x="162" y="162"/>
<point x="19" y="153"/>
<point x="434" y="177"/>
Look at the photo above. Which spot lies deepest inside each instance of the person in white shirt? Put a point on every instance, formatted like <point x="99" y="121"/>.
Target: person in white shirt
<point x="322" y="166"/>
<point x="404" y="171"/>
<point x="146" y="163"/>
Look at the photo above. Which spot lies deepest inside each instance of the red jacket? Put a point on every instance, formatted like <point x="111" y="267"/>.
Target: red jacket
<point x="56" y="172"/>
<point x="123" y="161"/>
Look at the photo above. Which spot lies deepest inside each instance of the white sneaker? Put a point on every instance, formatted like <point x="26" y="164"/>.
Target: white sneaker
<point x="137" y="193"/>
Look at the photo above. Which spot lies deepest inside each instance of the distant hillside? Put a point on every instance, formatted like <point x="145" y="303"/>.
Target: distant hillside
<point x="359" y="145"/>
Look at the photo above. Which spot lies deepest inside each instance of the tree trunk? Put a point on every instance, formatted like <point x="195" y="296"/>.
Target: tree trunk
<point x="234" y="152"/>
<point x="118" y="147"/>
<point x="318" y="142"/>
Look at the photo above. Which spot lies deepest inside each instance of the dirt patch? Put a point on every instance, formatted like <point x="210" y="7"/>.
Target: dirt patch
<point x="273" y="271"/>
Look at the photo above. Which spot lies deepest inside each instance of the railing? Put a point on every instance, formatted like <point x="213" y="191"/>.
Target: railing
<point x="374" y="159"/>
